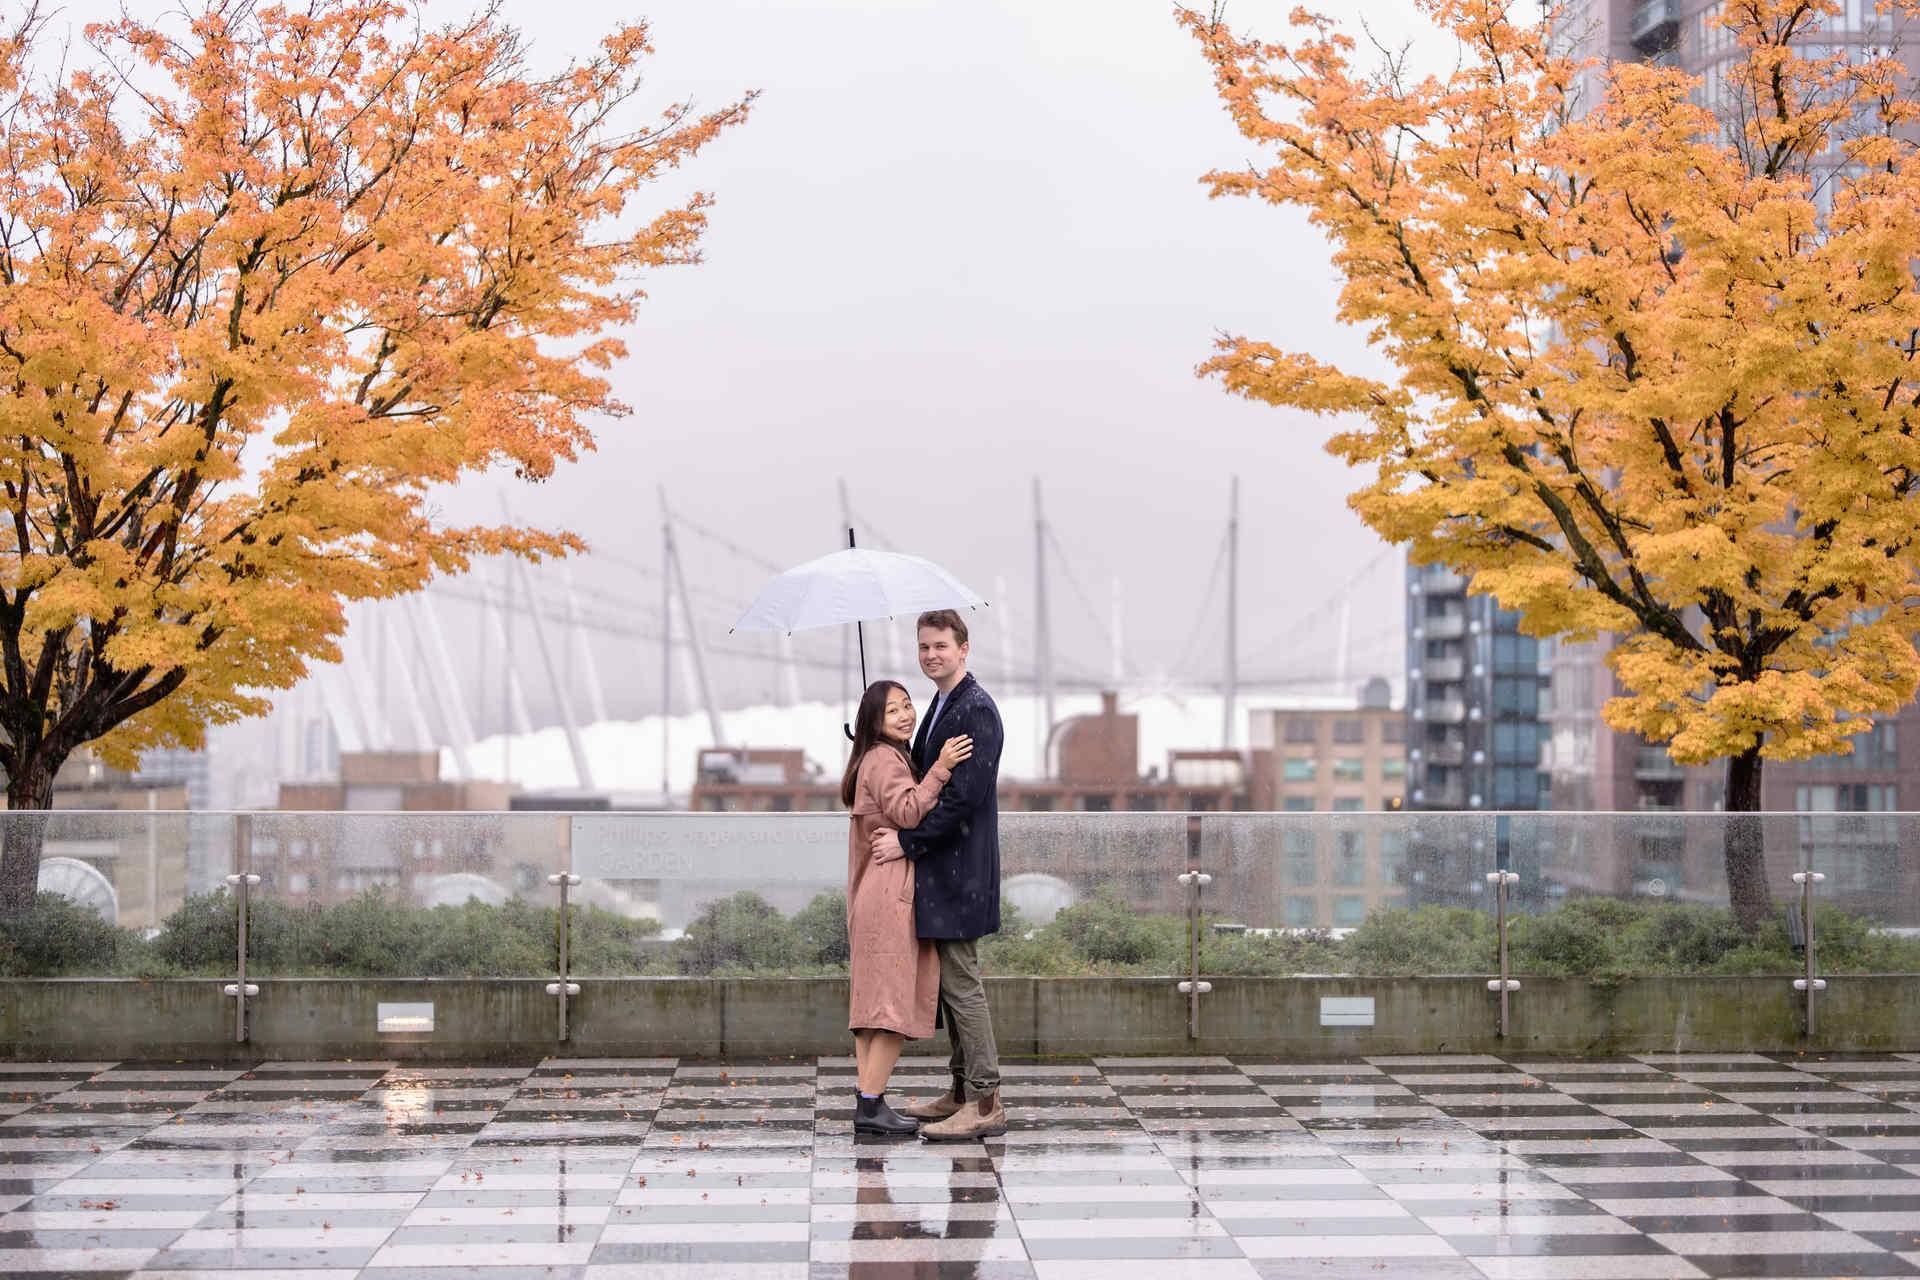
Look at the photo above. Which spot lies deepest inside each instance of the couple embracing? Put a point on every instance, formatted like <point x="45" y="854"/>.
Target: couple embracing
<point x="923" y="887"/>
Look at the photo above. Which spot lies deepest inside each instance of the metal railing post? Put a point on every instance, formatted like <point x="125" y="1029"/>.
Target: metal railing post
<point x="1505" y="984"/>
<point x="1193" y="880"/>
<point x="564" y="988"/>
<point x="242" y="882"/>
<point x="1809" y="984"/>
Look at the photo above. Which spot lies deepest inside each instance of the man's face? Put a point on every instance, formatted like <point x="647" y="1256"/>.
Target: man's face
<point x="940" y="654"/>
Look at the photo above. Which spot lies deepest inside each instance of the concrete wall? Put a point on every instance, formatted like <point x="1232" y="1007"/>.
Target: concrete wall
<point x="481" y="1019"/>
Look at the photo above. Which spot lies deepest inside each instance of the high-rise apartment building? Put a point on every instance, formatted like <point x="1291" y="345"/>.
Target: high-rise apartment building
<point x="1597" y="768"/>
<point x="1687" y="34"/>
<point x="1478" y="695"/>
<point x="1593" y="766"/>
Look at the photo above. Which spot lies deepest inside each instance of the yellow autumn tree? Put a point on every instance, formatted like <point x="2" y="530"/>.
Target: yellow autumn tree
<point x="1652" y="365"/>
<point x="270" y="276"/>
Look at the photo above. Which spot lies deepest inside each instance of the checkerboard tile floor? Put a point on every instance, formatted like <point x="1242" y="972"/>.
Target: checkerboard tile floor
<point x="1636" y="1168"/>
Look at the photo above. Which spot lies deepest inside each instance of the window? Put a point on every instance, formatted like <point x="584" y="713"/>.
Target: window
<point x="1349" y="769"/>
<point x="1349" y="730"/>
<point x="1393" y="767"/>
<point x="1349" y="804"/>
<point x="1516" y="695"/>
<point x="1873" y="749"/>
<point x="1393" y="856"/>
<point x="1848" y="797"/>
<point x="1349" y="867"/>
<point x="1097" y="803"/>
<point x="1517" y="742"/>
<point x="1303" y="867"/>
<point x="1348" y="910"/>
<point x="1517" y="788"/>
<point x="1144" y="802"/>
<point x="1297" y="804"/>
<point x="1393" y="730"/>
<point x="1301" y="913"/>
<point x="1302" y="729"/>
<point x="1515" y="653"/>
<point x="1300" y="769"/>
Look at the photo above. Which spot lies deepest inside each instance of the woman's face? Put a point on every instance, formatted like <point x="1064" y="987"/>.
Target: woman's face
<point x="897" y="720"/>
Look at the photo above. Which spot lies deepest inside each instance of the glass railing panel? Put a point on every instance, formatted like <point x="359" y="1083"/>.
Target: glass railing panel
<point x="701" y="894"/>
<point x="1386" y="893"/>
<point x="765" y="894"/>
<point x="1092" y="893"/>
<point x="1867" y="909"/>
<point x="404" y="895"/>
<point x="120" y="893"/>
<point x="1626" y="894"/>
<point x="418" y="895"/>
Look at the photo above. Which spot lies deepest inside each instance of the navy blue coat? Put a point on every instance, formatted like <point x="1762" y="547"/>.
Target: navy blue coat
<point x="956" y="848"/>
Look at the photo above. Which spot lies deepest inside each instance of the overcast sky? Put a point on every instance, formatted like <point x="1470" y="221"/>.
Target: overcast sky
<point x="961" y="244"/>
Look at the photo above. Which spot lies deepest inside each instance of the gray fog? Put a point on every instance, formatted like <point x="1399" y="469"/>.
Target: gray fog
<point x="958" y="246"/>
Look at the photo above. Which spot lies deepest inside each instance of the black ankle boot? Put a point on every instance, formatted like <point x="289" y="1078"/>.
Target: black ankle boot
<point x="874" y="1116"/>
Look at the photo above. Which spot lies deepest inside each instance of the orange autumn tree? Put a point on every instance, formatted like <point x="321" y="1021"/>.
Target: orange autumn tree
<point x="270" y="275"/>
<point x="1652" y="366"/>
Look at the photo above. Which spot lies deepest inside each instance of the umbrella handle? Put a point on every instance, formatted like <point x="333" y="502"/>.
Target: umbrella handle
<point x="848" y="730"/>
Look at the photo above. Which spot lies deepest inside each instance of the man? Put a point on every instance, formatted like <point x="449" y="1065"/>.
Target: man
<point x="956" y="880"/>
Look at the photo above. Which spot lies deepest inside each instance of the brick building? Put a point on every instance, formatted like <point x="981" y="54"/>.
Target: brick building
<point x="1332" y="772"/>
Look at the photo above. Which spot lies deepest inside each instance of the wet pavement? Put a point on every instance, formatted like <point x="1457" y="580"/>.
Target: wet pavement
<point x="1636" y="1168"/>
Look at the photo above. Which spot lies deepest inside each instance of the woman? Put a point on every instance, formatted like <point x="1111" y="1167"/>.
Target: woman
<point x="895" y="977"/>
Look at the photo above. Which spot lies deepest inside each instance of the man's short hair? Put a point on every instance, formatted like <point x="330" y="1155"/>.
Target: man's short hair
<point x="945" y="620"/>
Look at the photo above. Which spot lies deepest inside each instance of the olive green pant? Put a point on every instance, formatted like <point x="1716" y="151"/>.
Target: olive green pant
<point x="963" y="1001"/>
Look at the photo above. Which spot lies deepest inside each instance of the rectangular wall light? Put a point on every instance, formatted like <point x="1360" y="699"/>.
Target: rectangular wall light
<point x="402" y="1018"/>
<point x="1346" y="1011"/>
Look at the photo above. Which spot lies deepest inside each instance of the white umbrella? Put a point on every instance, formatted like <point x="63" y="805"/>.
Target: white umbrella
<point x="856" y="586"/>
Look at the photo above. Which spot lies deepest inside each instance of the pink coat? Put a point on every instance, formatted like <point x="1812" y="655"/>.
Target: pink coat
<point x="895" y="977"/>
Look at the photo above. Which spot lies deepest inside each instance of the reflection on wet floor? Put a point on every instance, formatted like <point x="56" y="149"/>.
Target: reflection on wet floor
<point x="1443" y="1166"/>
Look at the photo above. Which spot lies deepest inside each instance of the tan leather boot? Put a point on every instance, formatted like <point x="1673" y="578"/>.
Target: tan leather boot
<point x="938" y="1108"/>
<point x="981" y="1117"/>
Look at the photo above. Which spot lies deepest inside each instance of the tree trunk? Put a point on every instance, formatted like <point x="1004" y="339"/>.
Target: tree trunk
<point x="29" y="797"/>
<point x="1745" y="850"/>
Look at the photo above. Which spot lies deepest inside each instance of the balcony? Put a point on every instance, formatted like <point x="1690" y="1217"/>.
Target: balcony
<point x="1439" y="580"/>
<point x="1654" y="24"/>
<point x="1446" y="753"/>
<point x="1446" y="711"/>
<point x="1446" y="626"/>
<point x="1445" y="670"/>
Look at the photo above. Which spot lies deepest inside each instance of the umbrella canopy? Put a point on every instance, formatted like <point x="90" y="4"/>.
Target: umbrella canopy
<point x="855" y="585"/>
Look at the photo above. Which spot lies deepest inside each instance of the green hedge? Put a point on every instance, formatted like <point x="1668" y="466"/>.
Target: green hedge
<point x="371" y="935"/>
<point x="374" y="936"/>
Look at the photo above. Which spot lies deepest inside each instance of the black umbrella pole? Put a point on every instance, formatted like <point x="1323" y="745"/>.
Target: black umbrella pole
<point x="859" y="631"/>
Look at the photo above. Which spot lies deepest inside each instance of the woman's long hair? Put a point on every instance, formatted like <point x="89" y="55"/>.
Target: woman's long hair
<point x="868" y="734"/>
